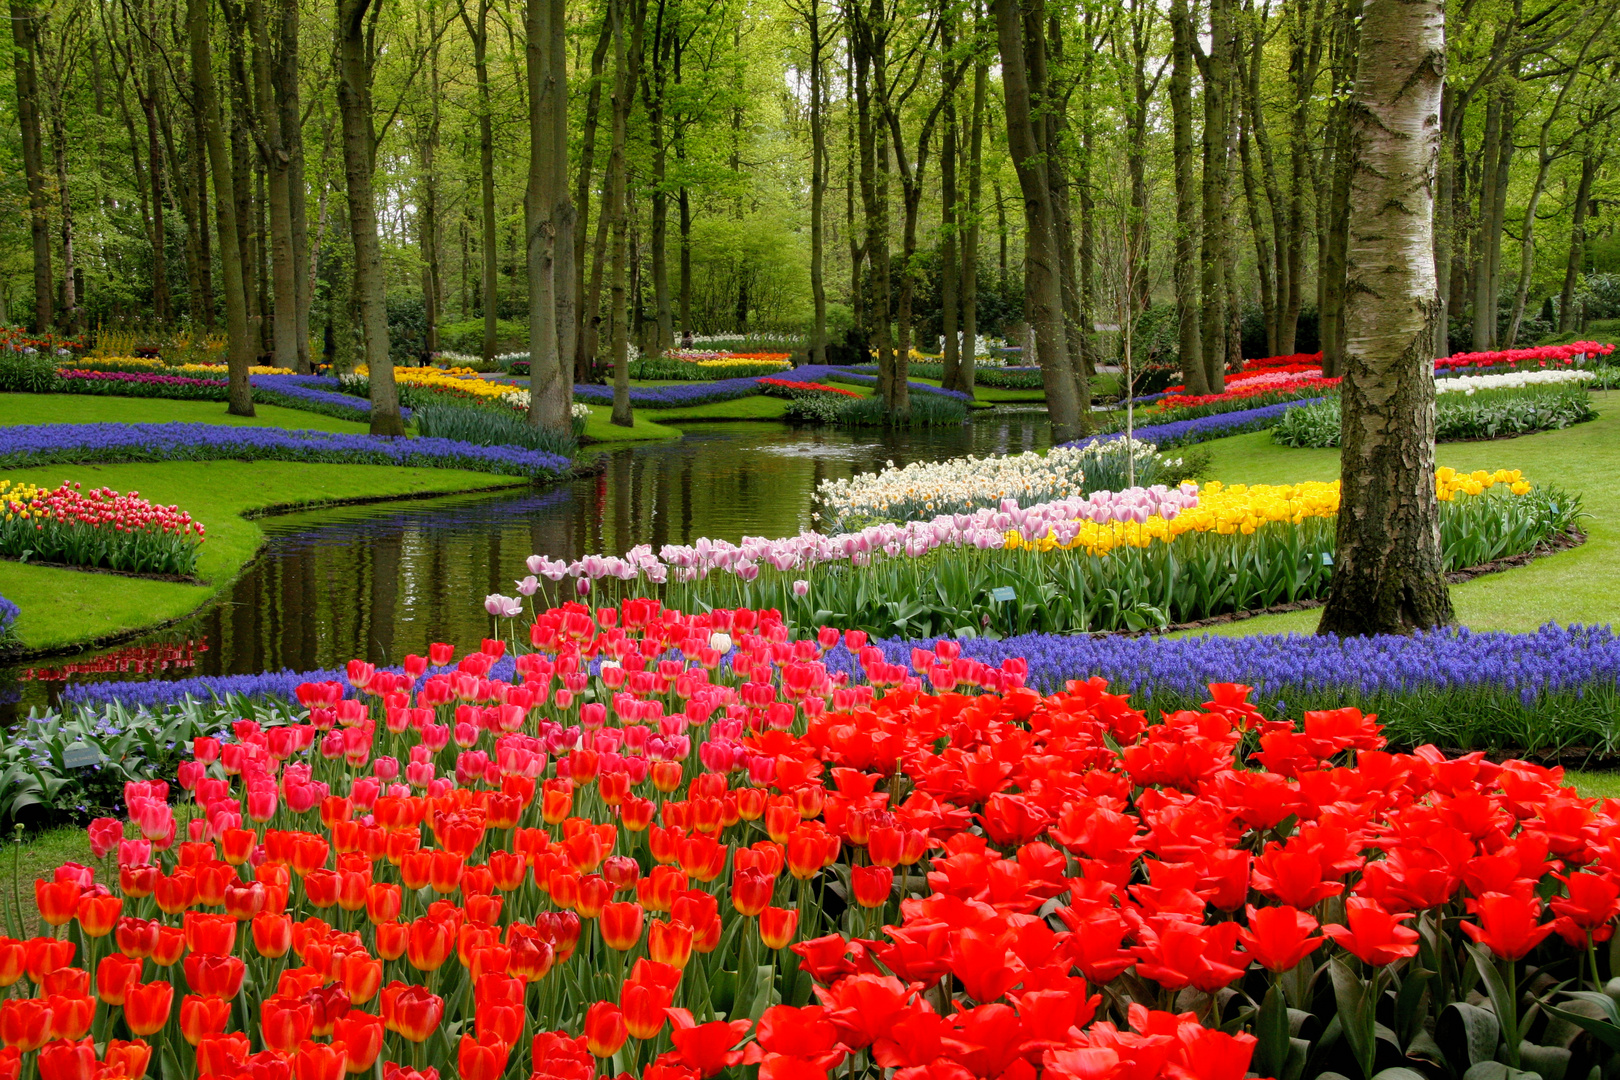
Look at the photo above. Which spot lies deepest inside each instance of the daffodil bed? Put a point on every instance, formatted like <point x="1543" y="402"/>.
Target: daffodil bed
<point x="1138" y="559"/>
<point x="760" y="856"/>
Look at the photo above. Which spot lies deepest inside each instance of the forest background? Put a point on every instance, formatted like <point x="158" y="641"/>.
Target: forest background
<point x="790" y="167"/>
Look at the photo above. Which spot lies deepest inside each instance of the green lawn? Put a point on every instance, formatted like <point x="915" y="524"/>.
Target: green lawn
<point x="758" y="407"/>
<point x="95" y="409"/>
<point x="600" y="429"/>
<point x="63" y="607"/>
<point x="1576" y="586"/>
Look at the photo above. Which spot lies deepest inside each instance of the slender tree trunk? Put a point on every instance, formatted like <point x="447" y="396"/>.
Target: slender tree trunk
<point x="243" y="124"/>
<point x="427" y="214"/>
<point x="857" y="249"/>
<point x="1445" y="214"/>
<point x="355" y="61"/>
<point x="1388" y="574"/>
<point x="1304" y="68"/>
<point x="549" y="388"/>
<point x="585" y="304"/>
<point x="1485" y="236"/>
<point x="970" y="234"/>
<point x="1335" y="261"/>
<point x="1527" y="251"/>
<point x="1590" y="161"/>
<point x="283" y="264"/>
<point x="1263" y="262"/>
<point x="70" y="295"/>
<point x="239" y="352"/>
<point x="478" y="31"/>
<point x="25" y="38"/>
<point x="653" y="94"/>
<point x="1184" y="266"/>
<point x="818" y="186"/>
<point x="1042" y="276"/>
<point x="627" y="61"/>
<point x="564" y="217"/>
<point x="1212" y="317"/>
<point x="950" y="267"/>
<point x="1084" y="341"/>
<point x="874" y="204"/>
<point x="284" y="77"/>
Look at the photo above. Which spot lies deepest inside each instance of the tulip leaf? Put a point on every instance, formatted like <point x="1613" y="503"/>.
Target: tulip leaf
<point x="1412" y="1003"/>
<point x="1271" y="1034"/>
<point x="1467" y="1034"/>
<point x="1507" y="1013"/>
<point x="1495" y="1070"/>
<point x="1552" y="1062"/>
<point x="1604" y="1031"/>
<point x="1355" y="1012"/>
<point x="1399" y="1072"/>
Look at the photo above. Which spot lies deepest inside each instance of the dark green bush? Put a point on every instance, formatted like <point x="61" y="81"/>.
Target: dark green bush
<point x="28" y="373"/>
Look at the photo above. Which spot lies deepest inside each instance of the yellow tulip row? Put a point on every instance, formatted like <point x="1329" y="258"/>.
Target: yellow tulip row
<point x="1243" y="508"/>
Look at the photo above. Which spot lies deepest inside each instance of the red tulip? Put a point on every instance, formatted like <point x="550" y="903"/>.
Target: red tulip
<point x="202" y="1016"/>
<point x="362" y="1035"/>
<point x="99" y="914"/>
<point x="147" y="1007"/>
<point x="871" y="885"/>
<point x="133" y="1056"/>
<point x="605" y="1030"/>
<point x="777" y="926"/>
<point x="411" y="1010"/>
<point x="25" y="1023"/>
<point x="285" y="1022"/>
<point x="483" y="1058"/>
<point x="1509" y="929"/>
<point x="620" y="925"/>
<point x="706" y="1048"/>
<point x="64" y="1060"/>
<point x="1279" y="937"/>
<point x="320" y="1061"/>
<point x="58" y="901"/>
<point x="1374" y="936"/>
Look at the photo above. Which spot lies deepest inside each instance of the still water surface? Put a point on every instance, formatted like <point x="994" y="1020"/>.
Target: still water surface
<point x="383" y="580"/>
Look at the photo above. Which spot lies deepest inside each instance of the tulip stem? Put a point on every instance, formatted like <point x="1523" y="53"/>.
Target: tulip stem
<point x="1591" y="952"/>
<point x="1510" y="1022"/>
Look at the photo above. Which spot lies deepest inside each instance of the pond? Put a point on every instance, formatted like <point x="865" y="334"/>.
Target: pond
<point x="386" y="579"/>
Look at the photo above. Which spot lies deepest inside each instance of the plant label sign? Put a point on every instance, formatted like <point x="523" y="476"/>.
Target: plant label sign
<point x="79" y="755"/>
<point x="1003" y="594"/>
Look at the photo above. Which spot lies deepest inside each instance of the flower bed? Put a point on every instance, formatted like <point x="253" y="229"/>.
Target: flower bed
<point x="1514" y="380"/>
<point x="1006" y="378"/>
<point x="1190" y="406"/>
<point x="854" y="876"/>
<point x="700" y="366"/>
<point x="1541" y="355"/>
<point x="1477" y="414"/>
<point x="962" y="485"/>
<point x="8" y="622"/>
<point x="1133" y="560"/>
<point x="99" y="529"/>
<point x="792" y="388"/>
<point x="1187" y="432"/>
<point x="50" y="444"/>
<point x="848" y="376"/>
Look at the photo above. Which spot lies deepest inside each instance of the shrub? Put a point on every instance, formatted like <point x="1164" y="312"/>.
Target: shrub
<point x="467" y="336"/>
<point x="927" y="410"/>
<point x="407" y="328"/>
<point x="490" y="427"/>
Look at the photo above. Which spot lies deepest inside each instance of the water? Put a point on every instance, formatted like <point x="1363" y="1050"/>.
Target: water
<point x="384" y="580"/>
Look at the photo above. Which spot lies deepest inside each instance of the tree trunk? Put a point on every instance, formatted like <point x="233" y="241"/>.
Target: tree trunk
<point x="627" y="61"/>
<point x="970" y="233"/>
<point x="1487" y="237"/>
<point x="1590" y="160"/>
<point x="243" y="124"/>
<point x="1042" y="286"/>
<point x="427" y="214"/>
<point x="283" y="263"/>
<point x="284" y="77"/>
<point x="24" y="38"/>
<point x="563" y="216"/>
<point x="478" y="31"/>
<point x="239" y="352"/>
<point x="1334" y="247"/>
<point x="1184" y="267"/>
<point x="874" y="204"/>
<point x="549" y="389"/>
<point x="949" y="266"/>
<point x="653" y="94"/>
<point x="1304" y="67"/>
<point x="70" y="295"/>
<point x="355" y="60"/>
<point x="818" y="186"/>
<point x="585" y="304"/>
<point x="1445" y="216"/>
<point x="1212" y="316"/>
<point x="1388" y="575"/>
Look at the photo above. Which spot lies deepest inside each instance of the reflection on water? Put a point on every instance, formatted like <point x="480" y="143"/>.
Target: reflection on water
<point x="387" y="579"/>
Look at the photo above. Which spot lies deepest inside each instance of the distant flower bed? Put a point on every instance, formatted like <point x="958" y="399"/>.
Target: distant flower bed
<point x="693" y="366"/>
<point x="790" y="388"/>
<point x="1200" y="429"/>
<point x="8" y="622"/>
<point x="859" y="379"/>
<point x="99" y="528"/>
<point x="49" y="444"/>
<point x="998" y="375"/>
<point x="1543" y="355"/>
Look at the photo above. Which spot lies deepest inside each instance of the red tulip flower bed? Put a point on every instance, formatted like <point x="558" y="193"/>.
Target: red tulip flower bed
<point x="649" y="854"/>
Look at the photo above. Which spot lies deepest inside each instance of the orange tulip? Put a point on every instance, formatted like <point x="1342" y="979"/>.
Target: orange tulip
<point x="147" y="1007"/>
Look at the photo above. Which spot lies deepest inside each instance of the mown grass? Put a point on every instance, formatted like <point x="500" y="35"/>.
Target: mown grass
<point x="1575" y="586"/>
<point x="96" y="409"/>
<point x="62" y="607"/>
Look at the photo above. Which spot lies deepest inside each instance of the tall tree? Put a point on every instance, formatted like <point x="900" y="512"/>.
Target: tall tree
<point x="550" y="388"/>
<point x="1184" y="261"/>
<point x="478" y="31"/>
<point x="627" y="55"/>
<point x="25" y="43"/>
<point x="356" y="59"/>
<point x="239" y="352"/>
<point x="1020" y="29"/>
<point x="1388" y="575"/>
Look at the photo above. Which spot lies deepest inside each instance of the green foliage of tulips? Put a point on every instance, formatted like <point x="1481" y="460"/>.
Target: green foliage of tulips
<point x="963" y="592"/>
<point x="492" y="427"/>
<point x="1484" y="414"/>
